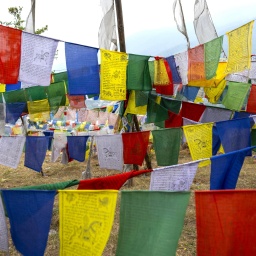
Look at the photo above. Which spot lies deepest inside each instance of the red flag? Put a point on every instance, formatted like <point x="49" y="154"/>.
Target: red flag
<point x="192" y="111"/>
<point x="110" y="182"/>
<point x="251" y="104"/>
<point x="226" y="222"/>
<point x="10" y="54"/>
<point x="174" y="120"/>
<point x="135" y="146"/>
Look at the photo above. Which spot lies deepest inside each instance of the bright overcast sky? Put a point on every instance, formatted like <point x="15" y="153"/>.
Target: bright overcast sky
<point x="149" y="25"/>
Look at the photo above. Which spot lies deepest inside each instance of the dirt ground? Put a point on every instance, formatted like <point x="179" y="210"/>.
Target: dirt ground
<point x="57" y="172"/>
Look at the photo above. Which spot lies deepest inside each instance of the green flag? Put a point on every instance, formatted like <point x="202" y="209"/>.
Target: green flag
<point x="35" y="93"/>
<point x="236" y="94"/>
<point x="171" y="104"/>
<point x="138" y="76"/>
<point x="212" y="51"/>
<point x="141" y="98"/>
<point x="167" y="145"/>
<point x="151" y="222"/>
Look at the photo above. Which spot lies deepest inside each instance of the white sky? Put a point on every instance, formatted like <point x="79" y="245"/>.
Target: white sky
<point x="149" y="25"/>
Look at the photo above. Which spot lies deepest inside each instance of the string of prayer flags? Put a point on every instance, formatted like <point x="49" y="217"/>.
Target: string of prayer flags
<point x="4" y="246"/>
<point x="192" y="111"/>
<point x="113" y="75"/>
<point x="82" y="69"/>
<point x="175" y="74"/>
<point x="167" y="145"/>
<point x="199" y="139"/>
<point x="138" y="76"/>
<point x="225" y="169"/>
<point x="240" y="48"/>
<point x="234" y="134"/>
<point x="196" y="67"/>
<point x="14" y="111"/>
<point x="181" y="60"/>
<point x="77" y="147"/>
<point x="10" y="51"/>
<point x="11" y="149"/>
<point x="225" y="222"/>
<point x="251" y="104"/>
<point x="35" y="152"/>
<point x="110" y="182"/>
<point x="86" y="219"/>
<point x="37" y="55"/>
<point x="173" y="178"/>
<point x="135" y="146"/>
<point x="110" y="151"/>
<point x="212" y="114"/>
<point x="236" y="95"/>
<point x="132" y="108"/>
<point x="144" y="211"/>
<point x="30" y="214"/>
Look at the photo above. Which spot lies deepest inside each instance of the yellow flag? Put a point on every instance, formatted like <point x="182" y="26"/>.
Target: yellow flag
<point x="86" y="219"/>
<point x="214" y="93"/>
<point x="113" y="75"/>
<point x="160" y="74"/>
<point x="39" y="110"/>
<point x="199" y="139"/>
<point x="240" y="48"/>
<point x="2" y="87"/>
<point x="131" y="107"/>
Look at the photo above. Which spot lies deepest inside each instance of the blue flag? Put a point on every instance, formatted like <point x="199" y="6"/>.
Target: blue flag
<point x="83" y="69"/>
<point x="225" y="169"/>
<point x="30" y="214"/>
<point x="36" y="147"/>
<point x="14" y="111"/>
<point x="77" y="147"/>
<point x="175" y="75"/>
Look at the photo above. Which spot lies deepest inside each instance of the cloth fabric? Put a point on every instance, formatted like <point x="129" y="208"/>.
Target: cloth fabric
<point x="199" y="139"/>
<point x="86" y="219"/>
<point x="225" y="169"/>
<point x="83" y="69"/>
<point x="187" y="122"/>
<point x="234" y="134"/>
<point x="173" y="120"/>
<point x="216" y="143"/>
<point x="35" y="152"/>
<point x="175" y="74"/>
<point x="192" y="111"/>
<point x="15" y="96"/>
<point x="4" y="245"/>
<point x="50" y="135"/>
<point x="131" y="106"/>
<point x="14" y="111"/>
<point x="30" y="214"/>
<point x="10" y="52"/>
<point x="110" y="182"/>
<point x="212" y="114"/>
<point x="173" y="178"/>
<point x="172" y="105"/>
<point x="76" y="101"/>
<point x="150" y="213"/>
<point x="190" y="92"/>
<point x="181" y="60"/>
<point x="167" y="145"/>
<point x="251" y="104"/>
<point x="240" y="77"/>
<point x="60" y="77"/>
<point x="213" y="93"/>
<point x="77" y="147"/>
<point x="225" y="222"/>
<point x="12" y="87"/>
<point x="236" y="95"/>
<point x="37" y="55"/>
<point x="240" y="47"/>
<point x="204" y="27"/>
<point x="36" y="93"/>
<point x="59" y="143"/>
<point x="138" y="76"/>
<point x="113" y="75"/>
<point x="11" y="149"/>
<point x="39" y="110"/>
<point x="141" y="98"/>
<point x="135" y="146"/>
<point x="110" y="151"/>
<point x="196" y="65"/>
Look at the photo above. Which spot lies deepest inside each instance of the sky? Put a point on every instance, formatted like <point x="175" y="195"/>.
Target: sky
<point x="149" y="24"/>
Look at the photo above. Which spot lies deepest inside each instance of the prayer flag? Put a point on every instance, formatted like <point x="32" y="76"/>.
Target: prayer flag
<point x="86" y="219"/>
<point x="181" y="60"/>
<point x="173" y="178"/>
<point x="77" y="147"/>
<point x="110" y="151"/>
<point x="4" y="245"/>
<point x="240" y="48"/>
<point x="82" y="69"/>
<point x="10" y="52"/>
<point x="135" y="146"/>
<point x="150" y="213"/>
<point x="113" y="75"/>
<point x="14" y="111"/>
<point x="131" y="107"/>
<point x="30" y="214"/>
<point x="251" y="104"/>
<point x="190" y="92"/>
<point x="37" y="55"/>
<point x="192" y="111"/>
<point x="167" y="145"/>
<point x="175" y="74"/>
<point x="212" y="114"/>
<point x="225" y="222"/>
<point x="76" y="101"/>
<point x="225" y="169"/>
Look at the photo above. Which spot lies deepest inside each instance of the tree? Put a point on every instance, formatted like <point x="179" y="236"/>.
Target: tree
<point x="18" y="22"/>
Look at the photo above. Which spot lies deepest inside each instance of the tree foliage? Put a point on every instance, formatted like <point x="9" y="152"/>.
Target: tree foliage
<point x="18" y="22"/>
